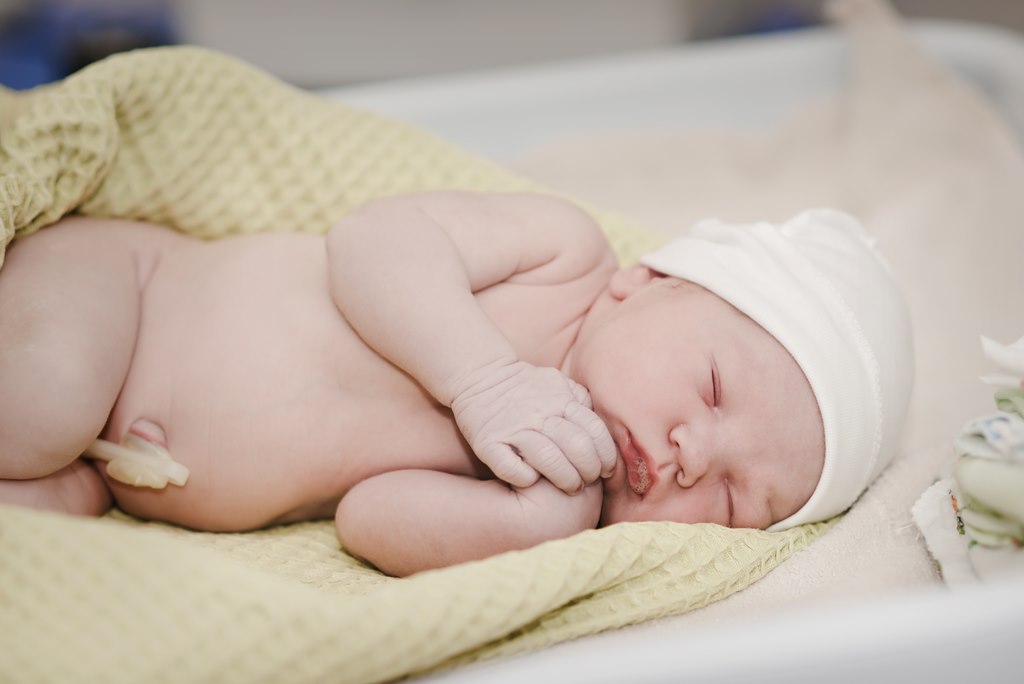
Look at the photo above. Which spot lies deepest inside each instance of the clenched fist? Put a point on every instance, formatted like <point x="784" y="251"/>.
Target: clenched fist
<point x="523" y="422"/>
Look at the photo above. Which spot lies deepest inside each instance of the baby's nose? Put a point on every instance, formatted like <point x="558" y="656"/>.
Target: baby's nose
<point x="692" y="454"/>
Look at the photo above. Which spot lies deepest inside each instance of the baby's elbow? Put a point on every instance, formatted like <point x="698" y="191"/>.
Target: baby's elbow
<point x="363" y="542"/>
<point x="348" y="530"/>
<point x="585" y="241"/>
<point x="373" y="540"/>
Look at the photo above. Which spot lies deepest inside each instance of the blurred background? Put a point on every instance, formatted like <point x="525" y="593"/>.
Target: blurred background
<point x="320" y="43"/>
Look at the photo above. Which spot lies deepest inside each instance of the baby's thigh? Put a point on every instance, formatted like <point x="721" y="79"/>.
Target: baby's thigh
<point x="69" y="311"/>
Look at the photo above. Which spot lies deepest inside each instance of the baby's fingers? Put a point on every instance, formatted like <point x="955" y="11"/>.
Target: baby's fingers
<point x="588" y="421"/>
<point x="507" y="465"/>
<point x="576" y="445"/>
<point x="541" y="452"/>
<point x="580" y="394"/>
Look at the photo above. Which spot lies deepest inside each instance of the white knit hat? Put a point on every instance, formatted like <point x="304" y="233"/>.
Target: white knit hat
<point x="819" y="287"/>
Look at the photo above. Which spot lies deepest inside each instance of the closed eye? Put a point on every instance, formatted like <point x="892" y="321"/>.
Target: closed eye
<point x="715" y="383"/>
<point x="728" y="496"/>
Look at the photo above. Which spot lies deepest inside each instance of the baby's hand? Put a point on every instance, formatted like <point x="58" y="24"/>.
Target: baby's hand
<point x="523" y="421"/>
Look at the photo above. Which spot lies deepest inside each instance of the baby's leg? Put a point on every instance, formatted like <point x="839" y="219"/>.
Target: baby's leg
<point x="69" y="314"/>
<point x="76" y="488"/>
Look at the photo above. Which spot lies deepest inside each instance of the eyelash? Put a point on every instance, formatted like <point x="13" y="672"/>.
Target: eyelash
<point x="715" y="386"/>
<point x="728" y="495"/>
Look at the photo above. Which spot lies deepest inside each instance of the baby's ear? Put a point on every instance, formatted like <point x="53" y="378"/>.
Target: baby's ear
<point x="626" y="281"/>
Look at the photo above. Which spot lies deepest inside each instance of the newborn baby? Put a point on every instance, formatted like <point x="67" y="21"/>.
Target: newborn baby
<point x="453" y="375"/>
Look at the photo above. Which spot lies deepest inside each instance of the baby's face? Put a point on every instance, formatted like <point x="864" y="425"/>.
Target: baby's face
<point x="714" y="420"/>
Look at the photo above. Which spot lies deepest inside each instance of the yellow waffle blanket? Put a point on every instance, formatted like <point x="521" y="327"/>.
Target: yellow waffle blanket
<point x="203" y="143"/>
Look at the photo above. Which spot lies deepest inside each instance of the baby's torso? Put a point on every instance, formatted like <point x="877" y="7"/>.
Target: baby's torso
<point x="268" y="396"/>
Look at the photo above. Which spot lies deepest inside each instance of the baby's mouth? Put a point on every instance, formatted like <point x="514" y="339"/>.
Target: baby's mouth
<point x="638" y="470"/>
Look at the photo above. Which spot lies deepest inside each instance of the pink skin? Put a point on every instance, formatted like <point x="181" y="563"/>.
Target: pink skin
<point x="713" y="419"/>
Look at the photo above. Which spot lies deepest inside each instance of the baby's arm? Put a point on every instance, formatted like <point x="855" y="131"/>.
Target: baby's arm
<point x="406" y="521"/>
<point x="403" y="273"/>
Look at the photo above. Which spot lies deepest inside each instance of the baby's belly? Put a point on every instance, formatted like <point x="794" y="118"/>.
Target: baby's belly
<point x="264" y="392"/>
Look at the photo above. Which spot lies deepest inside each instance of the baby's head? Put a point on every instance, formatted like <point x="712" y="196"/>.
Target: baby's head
<point x="752" y="375"/>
